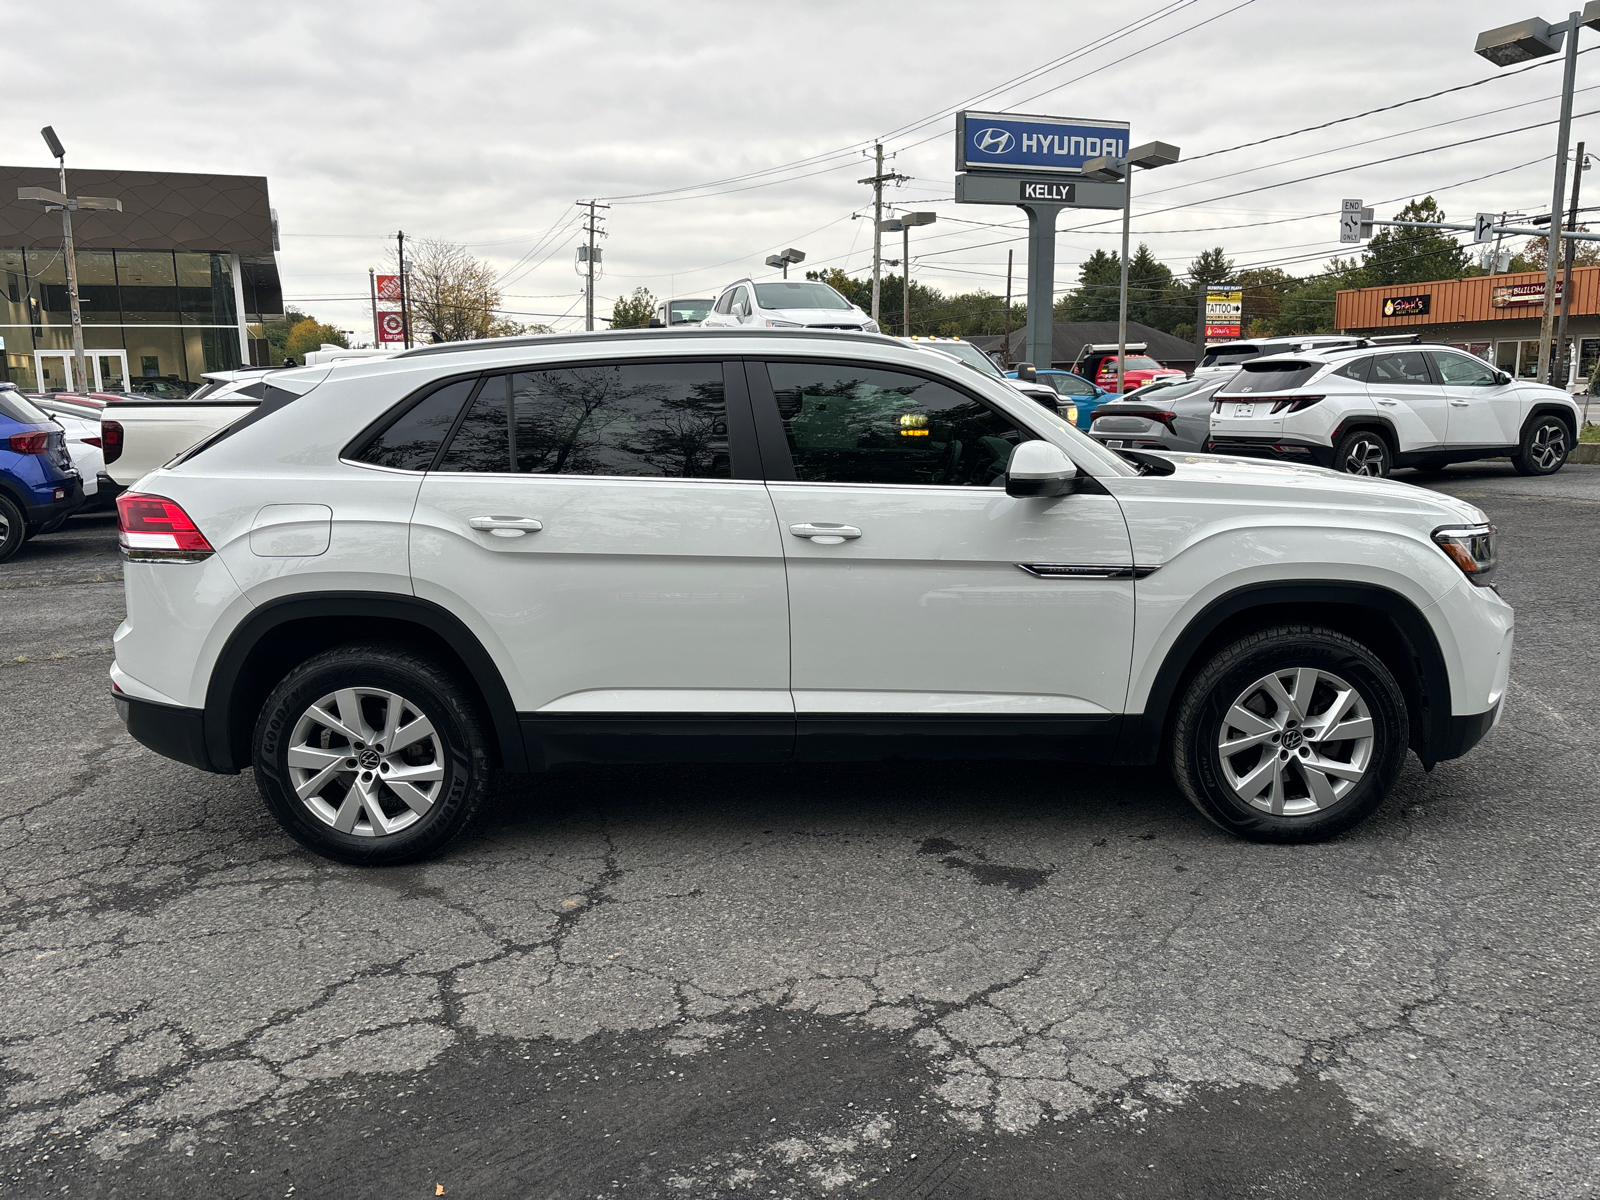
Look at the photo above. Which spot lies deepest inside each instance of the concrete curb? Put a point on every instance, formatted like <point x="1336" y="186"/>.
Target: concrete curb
<point x="1585" y="452"/>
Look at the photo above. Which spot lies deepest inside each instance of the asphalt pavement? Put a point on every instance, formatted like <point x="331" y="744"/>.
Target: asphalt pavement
<point x="897" y="980"/>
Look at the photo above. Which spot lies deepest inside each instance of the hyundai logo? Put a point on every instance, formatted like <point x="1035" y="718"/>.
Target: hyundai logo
<point x="992" y="141"/>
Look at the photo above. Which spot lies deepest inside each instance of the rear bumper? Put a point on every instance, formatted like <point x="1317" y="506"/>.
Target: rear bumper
<point x="44" y="518"/>
<point x="1284" y="449"/>
<point x="175" y="733"/>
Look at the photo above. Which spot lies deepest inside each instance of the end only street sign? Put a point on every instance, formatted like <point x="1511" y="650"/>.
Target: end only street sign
<point x="1015" y="142"/>
<point x="1350" y="221"/>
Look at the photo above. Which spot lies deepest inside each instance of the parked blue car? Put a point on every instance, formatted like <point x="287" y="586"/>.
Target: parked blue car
<point x="39" y="487"/>
<point x="1080" y="391"/>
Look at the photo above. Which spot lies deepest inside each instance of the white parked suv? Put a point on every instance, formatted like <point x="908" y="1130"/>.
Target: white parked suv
<point x="1368" y="409"/>
<point x="786" y="304"/>
<point x="729" y="545"/>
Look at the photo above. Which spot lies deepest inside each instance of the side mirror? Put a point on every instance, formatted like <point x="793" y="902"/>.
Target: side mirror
<point x="1502" y="376"/>
<point x="657" y="323"/>
<point x="1040" y="470"/>
<point x="1026" y="373"/>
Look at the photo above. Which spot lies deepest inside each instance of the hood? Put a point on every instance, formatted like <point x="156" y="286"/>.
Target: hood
<point x="1319" y="487"/>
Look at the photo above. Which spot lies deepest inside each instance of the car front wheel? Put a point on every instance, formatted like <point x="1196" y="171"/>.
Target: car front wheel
<point x="1544" y="448"/>
<point x="1362" y="452"/>
<point x="369" y="754"/>
<point x="1292" y="734"/>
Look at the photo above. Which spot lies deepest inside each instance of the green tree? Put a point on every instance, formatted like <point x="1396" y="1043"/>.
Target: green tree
<point x="1264" y="290"/>
<point x="1402" y="255"/>
<point x="308" y="334"/>
<point x="1097" y="296"/>
<point x="1307" y="304"/>
<point x="635" y="311"/>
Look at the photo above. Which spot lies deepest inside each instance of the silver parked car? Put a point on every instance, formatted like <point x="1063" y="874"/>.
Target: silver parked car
<point x="1173" y="416"/>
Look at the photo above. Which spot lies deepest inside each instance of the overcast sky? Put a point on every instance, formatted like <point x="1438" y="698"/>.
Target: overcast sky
<point x="482" y="123"/>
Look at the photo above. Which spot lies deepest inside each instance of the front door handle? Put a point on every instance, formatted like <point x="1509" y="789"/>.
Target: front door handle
<point x="1388" y="403"/>
<point x="1459" y="403"/>
<point x="506" y="527"/>
<point x="825" y="533"/>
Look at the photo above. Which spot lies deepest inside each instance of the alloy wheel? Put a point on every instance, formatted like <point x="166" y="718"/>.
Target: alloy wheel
<point x="1548" y="446"/>
<point x="366" y="762"/>
<point x="1365" y="457"/>
<point x="1295" y="742"/>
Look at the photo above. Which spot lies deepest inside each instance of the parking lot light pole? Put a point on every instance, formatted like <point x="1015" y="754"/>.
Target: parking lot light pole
<point x="1111" y="169"/>
<point x="907" y="221"/>
<point x="1518" y="43"/>
<point x="783" y="260"/>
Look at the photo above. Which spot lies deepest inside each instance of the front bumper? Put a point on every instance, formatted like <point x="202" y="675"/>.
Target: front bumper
<point x="172" y="732"/>
<point x="1466" y="732"/>
<point x="1284" y="449"/>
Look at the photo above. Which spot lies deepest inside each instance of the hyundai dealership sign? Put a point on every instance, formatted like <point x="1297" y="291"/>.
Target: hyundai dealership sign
<point x="1012" y="142"/>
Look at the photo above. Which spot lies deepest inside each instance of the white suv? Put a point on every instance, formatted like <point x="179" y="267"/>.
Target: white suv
<point x="652" y="546"/>
<point x="1368" y="409"/>
<point x="786" y="304"/>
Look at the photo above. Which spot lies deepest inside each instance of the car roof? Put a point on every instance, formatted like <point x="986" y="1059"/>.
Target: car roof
<point x="657" y="337"/>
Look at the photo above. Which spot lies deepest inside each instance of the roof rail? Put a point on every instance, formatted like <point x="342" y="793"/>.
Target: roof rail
<point x="1390" y="339"/>
<point x="628" y="335"/>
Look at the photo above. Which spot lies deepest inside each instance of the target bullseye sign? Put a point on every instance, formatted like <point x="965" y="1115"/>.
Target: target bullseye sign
<point x="391" y="328"/>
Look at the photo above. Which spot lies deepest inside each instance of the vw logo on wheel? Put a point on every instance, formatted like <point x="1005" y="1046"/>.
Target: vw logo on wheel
<point x="992" y="141"/>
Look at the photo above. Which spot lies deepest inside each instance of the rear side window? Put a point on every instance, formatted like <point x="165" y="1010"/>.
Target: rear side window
<point x="664" y="420"/>
<point x="412" y="440"/>
<point x="1408" y="367"/>
<point x="1356" y="370"/>
<point x="857" y="424"/>
<point x="1269" y="376"/>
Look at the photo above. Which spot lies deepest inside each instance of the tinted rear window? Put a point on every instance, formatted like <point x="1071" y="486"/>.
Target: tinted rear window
<point x="1270" y="376"/>
<point x="19" y="408"/>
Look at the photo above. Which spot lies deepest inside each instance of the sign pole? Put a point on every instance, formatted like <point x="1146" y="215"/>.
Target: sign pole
<point x="377" y="334"/>
<point x="1006" y="344"/>
<point x="1039" y="345"/>
<point x="1122" y="297"/>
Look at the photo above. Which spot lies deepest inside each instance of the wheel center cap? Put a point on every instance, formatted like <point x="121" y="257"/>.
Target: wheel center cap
<point x="369" y="759"/>
<point x="1292" y="739"/>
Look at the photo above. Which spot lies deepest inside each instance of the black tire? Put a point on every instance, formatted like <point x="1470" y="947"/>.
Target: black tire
<point x="1363" y="452"/>
<point x="13" y="529"/>
<point x="1545" y="444"/>
<point x="1203" y="770"/>
<point x="449" y="763"/>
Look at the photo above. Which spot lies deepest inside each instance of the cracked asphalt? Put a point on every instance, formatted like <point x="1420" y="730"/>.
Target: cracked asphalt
<point x="949" y="980"/>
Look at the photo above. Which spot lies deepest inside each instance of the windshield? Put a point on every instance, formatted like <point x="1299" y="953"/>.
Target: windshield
<point x="687" y="312"/>
<point x="1136" y="362"/>
<point x="800" y="294"/>
<point x="19" y="408"/>
<point x="969" y="354"/>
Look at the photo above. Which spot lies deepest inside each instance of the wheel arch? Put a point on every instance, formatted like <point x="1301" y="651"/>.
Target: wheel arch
<point x="1379" y="425"/>
<point x="281" y="634"/>
<point x="1545" y="408"/>
<point x="1386" y="622"/>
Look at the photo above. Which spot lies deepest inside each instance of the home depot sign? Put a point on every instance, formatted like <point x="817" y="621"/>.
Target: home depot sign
<point x="1521" y="295"/>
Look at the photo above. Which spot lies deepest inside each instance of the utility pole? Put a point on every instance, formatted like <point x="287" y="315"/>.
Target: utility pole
<point x="1006" y="358"/>
<point x="1564" y="368"/>
<point x="877" y="179"/>
<point x="1201" y="288"/>
<point x="1553" y="247"/>
<point x="592" y="229"/>
<point x="405" y="291"/>
<point x="372" y="282"/>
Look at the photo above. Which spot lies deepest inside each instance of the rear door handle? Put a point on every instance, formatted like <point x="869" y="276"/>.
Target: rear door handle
<point x="825" y="533"/>
<point x="1388" y="403"/>
<point x="506" y="526"/>
<point x="1459" y="403"/>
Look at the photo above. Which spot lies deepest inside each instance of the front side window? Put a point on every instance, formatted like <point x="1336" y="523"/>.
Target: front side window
<point x="1461" y="371"/>
<point x="412" y="440"/>
<point x="1407" y="368"/>
<point x="858" y="424"/>
<point x="664" y="420"/>
<point x="724" y="303"/>
<point x="1069" y="385"/>
<point x="741" y="303"/>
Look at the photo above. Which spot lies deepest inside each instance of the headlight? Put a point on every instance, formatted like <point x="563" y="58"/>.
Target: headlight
<point x="1470" y="547"/>
<point x="870" y="326"/>
<point x="784" y="325"/>
<point x="1071" y="414"/>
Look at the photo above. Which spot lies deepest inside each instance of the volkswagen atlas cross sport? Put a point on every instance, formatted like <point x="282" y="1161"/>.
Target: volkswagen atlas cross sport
<point x="1368" y="409"/>
<point x="649" y="546"/>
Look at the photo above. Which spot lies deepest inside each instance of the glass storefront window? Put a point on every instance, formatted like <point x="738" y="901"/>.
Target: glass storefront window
<point x="13" y="288"/>
<point x="1528" y="366"/>
<point x="1588" y="356"/>
<point x="149" y="287"/>
<point x="156" y="354"/>
<point x="97" y="288"/>
<point x="210" y="350"/>
<point x="205" y="289"/>
<point x="1505" y="357"/>
<point x="47" y="288"/>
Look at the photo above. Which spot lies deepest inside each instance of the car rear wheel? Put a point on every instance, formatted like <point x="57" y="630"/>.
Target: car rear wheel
<point x="13" y="529"/>
<point x="1544" y="449"/>
<point x="1363" y="452"/>
<point x="1292" y="734"/>
<point x="370" y="754"/>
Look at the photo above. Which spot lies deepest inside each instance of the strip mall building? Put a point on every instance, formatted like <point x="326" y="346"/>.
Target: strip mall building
<point x="1493" y="316"/>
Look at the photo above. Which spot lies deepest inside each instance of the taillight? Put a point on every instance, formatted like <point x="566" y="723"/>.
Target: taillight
<point x="155" y="529"/>
<point x="1294" y="403"/>
<point x="111" y="438"/>
<point x="30" y="443"/>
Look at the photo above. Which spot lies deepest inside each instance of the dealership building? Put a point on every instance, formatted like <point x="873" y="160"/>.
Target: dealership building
<point x="1493" y="316"/>
<point x="176" y="284"/>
